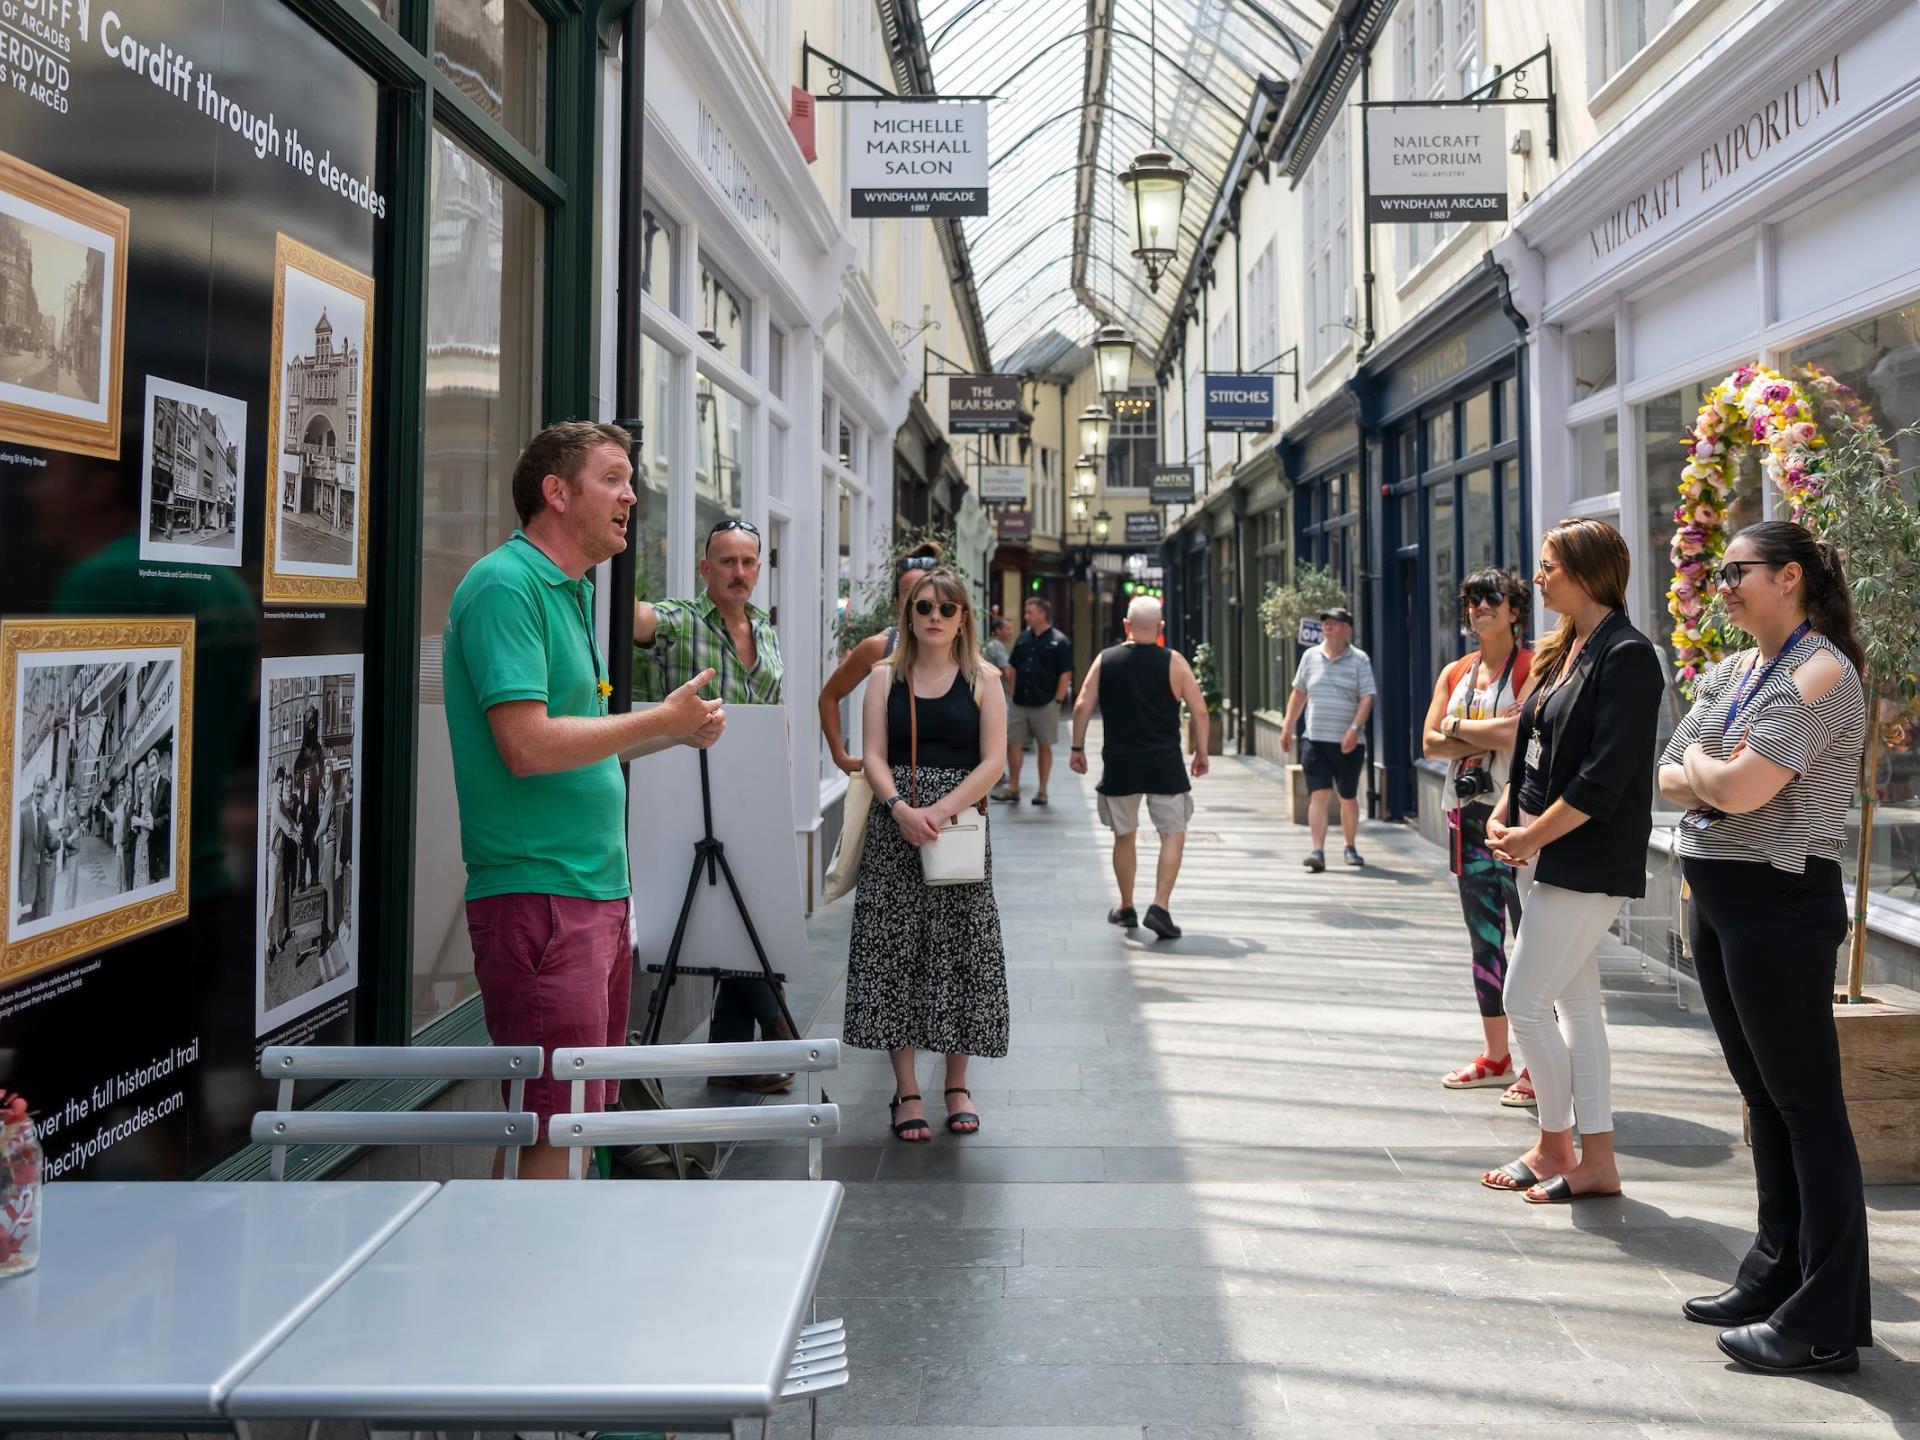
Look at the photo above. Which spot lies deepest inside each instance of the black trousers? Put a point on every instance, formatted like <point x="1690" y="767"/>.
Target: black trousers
<point x="1765" y="943"/>
<point x="737" y="1005"/>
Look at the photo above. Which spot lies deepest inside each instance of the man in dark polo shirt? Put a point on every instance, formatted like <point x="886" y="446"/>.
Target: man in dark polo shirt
<point x="537" y="765"/>
<point x="1042" y="665"/>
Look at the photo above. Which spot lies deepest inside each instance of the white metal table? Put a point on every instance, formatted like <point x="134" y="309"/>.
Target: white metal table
<point x="571" y="1304"/>
<point x="152" y="1299"/>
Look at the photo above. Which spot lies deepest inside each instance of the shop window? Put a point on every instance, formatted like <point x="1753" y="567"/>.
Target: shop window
<point x="1513" y="553"/>
<point x="1477" y="422"/>
<point x="1476" y="498"/>
<point x="777" y="361"/>
<point x="1440" y="437"/>
<point x="845" y="450"/>
<point x="1596" y="472"/>
<point x="1592" y="355"/>
<point x="659" y="255"/>
<point x="483" y="342"/>
<point x="1879" y="360"/>
<point x="1409" y="508"/>
<point x="724" y="315"/>
<point x="721" y="451"/>
<point x="495" y="51"/>
<point x="779" y="443"/>
<point x="651" y="483"/>
<point x="1443" y="616"/>
<point x="1507" y="404"/>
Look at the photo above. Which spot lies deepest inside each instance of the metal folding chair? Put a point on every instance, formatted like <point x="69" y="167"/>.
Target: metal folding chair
<point x="289" y="1064"/>
<point x="820" y="1355"/>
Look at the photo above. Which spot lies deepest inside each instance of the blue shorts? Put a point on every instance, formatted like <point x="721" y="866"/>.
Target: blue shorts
<point x="1327" y="768"/>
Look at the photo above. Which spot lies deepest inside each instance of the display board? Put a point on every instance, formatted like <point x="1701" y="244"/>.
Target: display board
<point x="191" y="208"/>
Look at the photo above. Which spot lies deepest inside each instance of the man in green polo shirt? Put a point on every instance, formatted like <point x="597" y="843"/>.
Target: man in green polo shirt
<point x="537" y="764"/>
<point x="723" y="632"/>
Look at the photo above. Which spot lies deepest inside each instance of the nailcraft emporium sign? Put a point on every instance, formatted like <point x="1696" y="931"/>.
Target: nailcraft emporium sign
<point x="983" y="405"/>
<point x="1171" y="485"/>
<point x="1003" y="483"/>
<point x="926" y="160"/>
<point x="1239" y="404"/>
<point x="1440" y="163"/>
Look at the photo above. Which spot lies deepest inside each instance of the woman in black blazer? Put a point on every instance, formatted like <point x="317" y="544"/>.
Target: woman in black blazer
<point x="1581" y="800"/>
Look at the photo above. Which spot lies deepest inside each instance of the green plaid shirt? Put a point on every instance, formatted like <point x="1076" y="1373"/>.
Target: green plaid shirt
<point x="691" y="636"/>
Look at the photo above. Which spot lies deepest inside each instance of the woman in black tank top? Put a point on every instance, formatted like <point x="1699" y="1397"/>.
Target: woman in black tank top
<point x="926" y="970"/>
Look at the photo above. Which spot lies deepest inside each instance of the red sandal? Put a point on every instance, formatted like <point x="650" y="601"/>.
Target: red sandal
<point x="1520" y="1095"/>
<point x="1480" y="1074"/>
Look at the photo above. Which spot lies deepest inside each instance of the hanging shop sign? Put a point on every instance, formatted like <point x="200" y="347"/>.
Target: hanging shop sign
<point x="1144" y="527"/>
<point x="924" y="160"/>
<point x="1310" y="633"/>
<point x="1171" y="485"/>
<point x="983" y="405"/>
<point x="1003" y="484"/>
<point x="1014" y="524"/>
<point x="1239" y="404"/>
<point x="1439" y="163"/>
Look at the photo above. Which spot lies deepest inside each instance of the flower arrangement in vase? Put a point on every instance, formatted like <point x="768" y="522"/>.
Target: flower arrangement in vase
<point x="20" y="1180"/>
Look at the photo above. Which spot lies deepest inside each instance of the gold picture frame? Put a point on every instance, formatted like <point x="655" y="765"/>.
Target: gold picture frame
<point x="319" y="408"/>
<point x="67" y="352"/>
<point x="98" y="700"/>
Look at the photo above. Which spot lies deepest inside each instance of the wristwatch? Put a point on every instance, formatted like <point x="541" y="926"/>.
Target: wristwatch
<point x="893" y="800"/>
<point x="1077" y="749"/>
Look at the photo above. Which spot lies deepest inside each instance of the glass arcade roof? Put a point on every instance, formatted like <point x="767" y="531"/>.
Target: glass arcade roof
<point x="1077" y="103"/>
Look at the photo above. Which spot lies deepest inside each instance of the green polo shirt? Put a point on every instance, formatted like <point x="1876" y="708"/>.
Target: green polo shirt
<point x="520" y="629"/>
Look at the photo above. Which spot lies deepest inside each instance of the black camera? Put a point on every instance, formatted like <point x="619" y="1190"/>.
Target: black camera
<point x="1473" y="782"/>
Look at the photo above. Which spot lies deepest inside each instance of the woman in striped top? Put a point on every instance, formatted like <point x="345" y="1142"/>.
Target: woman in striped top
<point x="1765" y="767"/>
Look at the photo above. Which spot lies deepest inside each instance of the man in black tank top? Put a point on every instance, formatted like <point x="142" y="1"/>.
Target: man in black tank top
<point x="1140" y="687"/>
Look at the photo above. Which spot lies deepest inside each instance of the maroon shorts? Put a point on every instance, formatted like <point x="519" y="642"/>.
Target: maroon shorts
<point x="554" y="971"/>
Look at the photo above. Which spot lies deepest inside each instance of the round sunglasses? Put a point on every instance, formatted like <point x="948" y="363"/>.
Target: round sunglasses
<point x="948" y="609"/>
<point x="1485" y="595"/>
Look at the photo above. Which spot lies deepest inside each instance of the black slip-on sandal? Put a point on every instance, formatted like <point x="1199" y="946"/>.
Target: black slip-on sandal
<point x="1516" y="1171"/>
<point x="1559" y="1191"/>
<point x="912" y="1131"/>
<point x="954" y="1117"/>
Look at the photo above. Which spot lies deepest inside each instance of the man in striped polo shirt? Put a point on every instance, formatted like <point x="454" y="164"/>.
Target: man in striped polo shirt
<point x="1334" y="685"/>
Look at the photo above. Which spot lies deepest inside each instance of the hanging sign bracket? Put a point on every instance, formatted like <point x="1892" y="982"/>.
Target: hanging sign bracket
<point x="838" y="74"/>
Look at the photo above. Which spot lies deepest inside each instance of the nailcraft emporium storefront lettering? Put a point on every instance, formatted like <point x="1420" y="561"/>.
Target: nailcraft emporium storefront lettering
<point x="1239" y="404"/>
<point x="1435" y="163"/>
<point x="734" y="178"/>
<point x="983" y="405"/>
<point x="1737" y="153"/>
<point x="926" y="160"/>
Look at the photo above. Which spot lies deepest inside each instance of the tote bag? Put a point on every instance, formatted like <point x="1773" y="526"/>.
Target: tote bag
<point x="844" y="869"/>
<point x="959" y="856"/>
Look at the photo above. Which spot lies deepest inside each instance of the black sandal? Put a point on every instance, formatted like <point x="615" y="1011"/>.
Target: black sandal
<point x="908" y="1130"/>
<point x="956" y="1116"/>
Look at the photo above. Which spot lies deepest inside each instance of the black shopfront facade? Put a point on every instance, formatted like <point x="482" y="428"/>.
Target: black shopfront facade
<point x="1441" y="407"/>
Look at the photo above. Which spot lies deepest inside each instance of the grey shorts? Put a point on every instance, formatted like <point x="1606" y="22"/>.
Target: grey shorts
<point x="1038" y="723"/>
<point x="1169" y="813"/>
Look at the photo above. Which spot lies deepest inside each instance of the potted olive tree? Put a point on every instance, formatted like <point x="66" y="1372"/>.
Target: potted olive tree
<point x="1313" y="592"/>
<point x="1206" y="673"/>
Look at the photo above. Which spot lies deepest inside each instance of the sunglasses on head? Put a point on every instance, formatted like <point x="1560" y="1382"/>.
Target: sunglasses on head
<point x="947" y="608"/>
<point x="724" y="525"/>
<point x="918" y="562"/>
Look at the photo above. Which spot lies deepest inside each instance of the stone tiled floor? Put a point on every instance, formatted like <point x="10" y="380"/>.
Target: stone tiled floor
<point x="1219" y="1190"/>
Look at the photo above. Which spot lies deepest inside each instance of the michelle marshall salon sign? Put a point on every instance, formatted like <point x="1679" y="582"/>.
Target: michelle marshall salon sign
<point x="916" y="160"/>
<point x="1435" y="162"/>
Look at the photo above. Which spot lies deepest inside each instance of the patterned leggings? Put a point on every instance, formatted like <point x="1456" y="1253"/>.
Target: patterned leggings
<point x="1489" y="897"/>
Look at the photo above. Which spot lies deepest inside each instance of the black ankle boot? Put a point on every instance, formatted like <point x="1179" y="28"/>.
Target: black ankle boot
<point x="1729" y="1308"/>
<point x="1761" y="1347"/>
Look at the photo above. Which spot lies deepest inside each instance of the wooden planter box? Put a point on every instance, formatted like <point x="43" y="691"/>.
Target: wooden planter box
<point x="1880" y="1077"/>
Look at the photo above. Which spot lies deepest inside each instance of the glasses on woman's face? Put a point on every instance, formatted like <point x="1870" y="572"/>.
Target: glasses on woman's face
<point x="1492" y="598"/>
<point x="1733" y="572"/>
<point x="946" y="608"/>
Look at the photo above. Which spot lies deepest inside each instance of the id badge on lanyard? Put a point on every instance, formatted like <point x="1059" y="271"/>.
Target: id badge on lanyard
<point x="1534" y="752"/>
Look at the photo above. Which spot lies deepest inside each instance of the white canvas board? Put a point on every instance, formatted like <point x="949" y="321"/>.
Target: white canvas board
<point x="752" y="787"/>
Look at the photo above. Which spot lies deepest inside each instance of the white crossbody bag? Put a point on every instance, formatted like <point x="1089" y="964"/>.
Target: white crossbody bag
<point x="959" y="856"/>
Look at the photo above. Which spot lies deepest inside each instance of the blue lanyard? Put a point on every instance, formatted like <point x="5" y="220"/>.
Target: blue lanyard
<point x="1746" y="692"/>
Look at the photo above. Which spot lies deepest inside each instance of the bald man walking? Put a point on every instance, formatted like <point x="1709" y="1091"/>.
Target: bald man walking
<point x="1140" y="687"/>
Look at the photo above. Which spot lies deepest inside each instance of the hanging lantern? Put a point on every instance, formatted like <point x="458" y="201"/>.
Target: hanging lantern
<point x="1079" y="511"/>
<point x="1113" y="359"/>
<point x="1159" y="191"/>
<point x="1085" y="472"/>
<point x="1102" y="523"/>
<point x="1095" y="425"/>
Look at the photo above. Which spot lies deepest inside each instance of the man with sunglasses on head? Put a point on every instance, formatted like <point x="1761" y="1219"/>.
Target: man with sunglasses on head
<point x="721" y="630"/>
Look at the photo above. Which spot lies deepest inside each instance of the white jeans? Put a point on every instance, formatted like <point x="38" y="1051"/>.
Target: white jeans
<point x="1555" y="966"/>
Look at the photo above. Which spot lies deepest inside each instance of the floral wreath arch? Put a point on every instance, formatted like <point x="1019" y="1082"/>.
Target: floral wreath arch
<point x="1777" y="416"/>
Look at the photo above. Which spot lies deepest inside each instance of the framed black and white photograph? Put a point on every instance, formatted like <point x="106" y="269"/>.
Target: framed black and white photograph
<point x="95" y="779"/>
<point x="193" y="467"/>
<point x="320" y="398"/>
<point x="307" y="943"/>
<point x="63" y="275"/>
